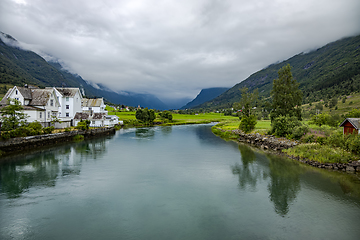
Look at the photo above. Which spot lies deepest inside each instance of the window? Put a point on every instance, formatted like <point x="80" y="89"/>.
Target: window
<point x="67" y="115"/>
<point x="67" y="99"/>
<point x="40" y="114"/>
<point x="49" y="114"/>
<point x="16" y="92"/>
<point x="59" y="114"/>
<point x="51" y="102"/>
<point x="67" y="107"/>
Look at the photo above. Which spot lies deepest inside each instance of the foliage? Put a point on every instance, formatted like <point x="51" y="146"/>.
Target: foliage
<point x="12" y="115"/>
<point x="354" y="113"/>
<point x="332" y="120"/>
<point x="319" y="153"/>
<point x="83" y="125"/>
<point x="247" y="123"/>
<point x="166" y="115"/>
<point x="67" y="129"/>
<point x="145" y="115"/>
<point x="286" y="96"/>
<point x="247" y="102"/>
<point x="299" y="131"/>
<point x="284" y="125"/>
<point x="48" y="130"/>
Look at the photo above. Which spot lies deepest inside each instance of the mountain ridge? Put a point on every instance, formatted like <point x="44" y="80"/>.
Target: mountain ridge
<point x="331" y="70"/>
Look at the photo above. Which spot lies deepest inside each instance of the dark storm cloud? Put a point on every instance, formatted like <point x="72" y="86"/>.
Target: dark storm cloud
<point x="175" y="48"/>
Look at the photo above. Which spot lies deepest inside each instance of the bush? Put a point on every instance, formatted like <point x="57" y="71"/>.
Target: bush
<point x="67" y="129"/>
<point x="48" y="130"/>
<point x="352" y="143"/>
<point x="166" y="115"/>
<point x="300" y="131"/>
<point x="247" y="124"/>
<point x="35" y="125"/>
<point x="308" y="139"/>
<point x="83" y="125"/>
<point x="5" y="135"/>
<point x="284" y="125"/>
<point x="336" y="139"/>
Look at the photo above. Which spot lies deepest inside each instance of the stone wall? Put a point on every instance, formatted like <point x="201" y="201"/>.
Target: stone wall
<point x="23" y="143"/>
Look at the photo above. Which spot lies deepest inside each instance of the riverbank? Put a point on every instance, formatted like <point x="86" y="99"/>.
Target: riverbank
<point x="25" y="143"/>
<point x="278" y="145"/>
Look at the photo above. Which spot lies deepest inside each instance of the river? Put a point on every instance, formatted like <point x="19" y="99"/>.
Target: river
<point x="179" y="182"/>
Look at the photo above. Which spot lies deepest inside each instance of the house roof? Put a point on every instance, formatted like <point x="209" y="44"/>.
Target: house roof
<point x="40" y="97"/>
<point x="25" y="92"/>
<point x="354" y="121"/>
<point x="92" y="102"/>
<point x="98" y="116"/>
<point x="81" y="115"/>
<point x="4" y="100"/>
<point x="68" y="92"/>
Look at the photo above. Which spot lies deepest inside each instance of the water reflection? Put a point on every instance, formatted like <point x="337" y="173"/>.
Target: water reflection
<point x="42" y="170"/>
<point x="248" y="172"/>
<point x="145" y="133"/>
<point x="284" y="182"/>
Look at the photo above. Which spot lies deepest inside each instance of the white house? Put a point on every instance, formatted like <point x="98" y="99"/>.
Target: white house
<point x="93" y="105"/>
<point x="97" y="119"/>
<point x="40" y="105"/>
<point x="70" y="101"/>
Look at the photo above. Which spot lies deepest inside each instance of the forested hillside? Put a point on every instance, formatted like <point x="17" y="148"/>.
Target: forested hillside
<point x="19" y="67"/>
<point x="329" y="71"/>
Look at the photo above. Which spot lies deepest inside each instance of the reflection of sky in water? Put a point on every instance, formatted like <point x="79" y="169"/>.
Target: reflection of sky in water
<point x="178" y="182"/>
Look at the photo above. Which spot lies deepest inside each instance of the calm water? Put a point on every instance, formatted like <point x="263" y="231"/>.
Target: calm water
<point x="178" y="182"/>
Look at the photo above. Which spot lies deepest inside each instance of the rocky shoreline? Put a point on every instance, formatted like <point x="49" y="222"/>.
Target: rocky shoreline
<point x="269" y="142"/>
<point x="25" y="143"/>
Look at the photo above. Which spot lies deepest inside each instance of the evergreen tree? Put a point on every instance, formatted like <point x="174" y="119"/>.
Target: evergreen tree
<point x="285" y="94"/>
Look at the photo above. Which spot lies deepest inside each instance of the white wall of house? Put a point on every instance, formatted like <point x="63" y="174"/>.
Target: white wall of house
<point x="15" y="94"/>
<point x="69" y="106"/>
<point x="32" y="115"/>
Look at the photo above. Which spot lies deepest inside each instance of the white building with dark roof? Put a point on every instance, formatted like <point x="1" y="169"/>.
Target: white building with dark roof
<point x="40" y="105"/>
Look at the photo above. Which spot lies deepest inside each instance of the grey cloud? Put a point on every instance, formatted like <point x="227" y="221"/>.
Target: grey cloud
<point x="173" y="49"/>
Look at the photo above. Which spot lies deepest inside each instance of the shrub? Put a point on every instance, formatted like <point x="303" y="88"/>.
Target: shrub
<point x="336" y="139"/>
<point x="166" y="115"/>
<point x="67" y="129"/>
<point x="83" y="125"/>
<point x="352" y="143"/>
<point x="48" y="130"/>
<point x="284" y="125"/>
<point x="247" y="124"/>
<point x="308" y="139"/>
<point x="300" y="131"/>
<point x="35" y="125"/>
<point x="5" y="135"/>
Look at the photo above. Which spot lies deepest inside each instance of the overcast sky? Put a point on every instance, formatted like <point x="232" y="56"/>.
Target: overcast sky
<point x="175" y="48"/>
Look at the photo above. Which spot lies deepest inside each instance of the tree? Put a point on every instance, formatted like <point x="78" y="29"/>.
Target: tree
<point x="166" y="115"/>
<point x="286" y="95"/>
<point x="247" y="102"/>
<point x="12" y="115"/>
<point x="145" y="115"/>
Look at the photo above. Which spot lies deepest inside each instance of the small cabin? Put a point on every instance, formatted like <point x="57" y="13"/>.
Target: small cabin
<point x="351" y="125"/>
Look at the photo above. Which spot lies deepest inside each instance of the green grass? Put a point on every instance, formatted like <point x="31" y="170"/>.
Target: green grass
<point x="320" y="153"/>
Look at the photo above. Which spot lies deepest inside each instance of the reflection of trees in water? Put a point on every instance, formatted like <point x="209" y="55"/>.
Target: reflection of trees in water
<point x="284" y="177"/>
<point x="166" y="130"/>
<point x="145" y="132"/>
<point x="17" y="178"/>
<point x="248" y="172"/>
<point x="284" y="184"/>
<point x="42" y="169"/>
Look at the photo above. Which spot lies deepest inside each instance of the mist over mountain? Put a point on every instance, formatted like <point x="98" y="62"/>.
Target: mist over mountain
<point x="19" y="67"/>
<point x="329" y="71"/>
<point x="204" y="96"/>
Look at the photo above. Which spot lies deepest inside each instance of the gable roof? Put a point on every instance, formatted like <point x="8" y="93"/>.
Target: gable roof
<point x="91" y="102"/>
<point x="40" y="97"/>
<point x="81" y="115"/>
<point x="353" y="121"/>
<point x="68" y="92"/>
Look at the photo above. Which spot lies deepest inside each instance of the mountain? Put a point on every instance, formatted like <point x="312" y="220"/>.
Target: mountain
<point x="329" y="71"/>
<point x="204" y="96"/>
<point x="19" y="67"/>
